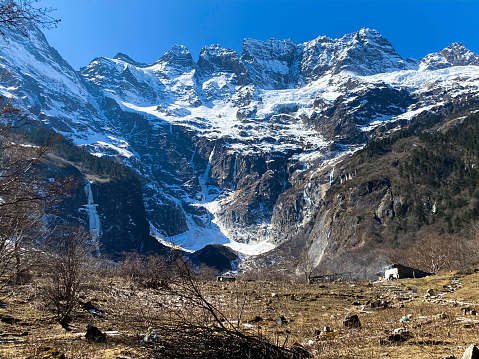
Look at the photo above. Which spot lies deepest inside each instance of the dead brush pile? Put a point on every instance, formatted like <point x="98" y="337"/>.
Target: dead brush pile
<point x="185" y="341"/>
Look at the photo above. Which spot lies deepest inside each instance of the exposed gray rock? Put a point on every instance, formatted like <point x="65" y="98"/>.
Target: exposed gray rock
<point x="269" y="62"/>
<point x="351" y="321"/>
<point x="472" y="352"/>
<point x="94" y="334"/>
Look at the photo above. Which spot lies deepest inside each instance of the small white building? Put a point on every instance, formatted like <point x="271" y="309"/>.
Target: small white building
<point x="399" y="271"/>
<point x="391" y="273"/>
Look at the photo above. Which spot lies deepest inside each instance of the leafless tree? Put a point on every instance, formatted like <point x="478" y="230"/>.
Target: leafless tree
<point x="306" y="266"/>
<point x="434" y="253"/>
<point x="18" y="14"/>
<point x="22" y="191"/>
<point x="25" y="193"/>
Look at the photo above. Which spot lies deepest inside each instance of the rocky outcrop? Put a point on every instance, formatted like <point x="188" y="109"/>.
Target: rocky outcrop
<point x="115" y="201"/>
<point x="216" y="256"/>
<point x="122" y="214"/>
<point x="364" y="53"/>
<point x="178" y="58"/>
<point x="215" y="60"/>
<point x="347" y="120"/>
<point x="454" y="55"/>
<point x="268" y="62"/>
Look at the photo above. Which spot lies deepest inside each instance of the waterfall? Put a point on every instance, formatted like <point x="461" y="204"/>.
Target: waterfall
<point x="235" y="171"/>
<point x="94" y="218"/>
<point x="208" y="167"/>
<point x="331" y="177"/>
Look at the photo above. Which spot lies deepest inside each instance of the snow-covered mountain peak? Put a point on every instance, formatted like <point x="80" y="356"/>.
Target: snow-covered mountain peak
<point x="458" y="55"/>
<point x="216" y="50"/>
<point x="454" y="55"/>
<point x="362" y="53"/>
<point x="178" y="56"/>
<point x="44" y="82"/>
<point x="366" y="52"/>
<point x="216" y="59"/>
<point x="367" y="32"/>
<point x="124" y="57"/>
<point x="268" y="49"/>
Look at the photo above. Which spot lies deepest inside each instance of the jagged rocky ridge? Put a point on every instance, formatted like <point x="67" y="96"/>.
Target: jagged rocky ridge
<point x="226" y="147"/>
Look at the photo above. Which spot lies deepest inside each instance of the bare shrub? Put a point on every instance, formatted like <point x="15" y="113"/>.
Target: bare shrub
<point x="148" y="271"/>
<point x="267" y="274"/>
<point x="197" y="328"/>
<point x="206" y="273"/>
<point x="66" y="264"/>
<point x="433" y="253"/>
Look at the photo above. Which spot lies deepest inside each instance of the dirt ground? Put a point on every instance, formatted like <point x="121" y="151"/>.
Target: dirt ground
<point x="433" y="317"/>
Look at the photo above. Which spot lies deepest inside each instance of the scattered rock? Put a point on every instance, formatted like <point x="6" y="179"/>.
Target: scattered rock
<point x="65" y="320"/>
<point x="326" y="329"/>
<point x="405" y="319"/>
<point x="255" y="319"/>
<point x="47" y="353"/>
<point x="471" y="353"/>
<point x="94" y="334"/>
<point x="430" y="293"/>
<point x="281" y="321"/>
<point x="9" y="319"/>
<point x="351" y="321"/>
<point x="399" y="335"/>
<point x="379" y="304"/>
<point x="299" y="351"/>
<point x="468" y="310"/>
<point x="440" y="316"/>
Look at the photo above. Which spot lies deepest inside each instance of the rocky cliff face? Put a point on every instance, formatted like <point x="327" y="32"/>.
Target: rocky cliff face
<point x="111" y="207"/>
<point x="363" y="53"/>
<point x="241" y="150"/>
<point x="455" y="55"/>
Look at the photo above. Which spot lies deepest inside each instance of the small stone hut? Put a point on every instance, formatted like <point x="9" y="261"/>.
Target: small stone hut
<point x="399" y="271"/>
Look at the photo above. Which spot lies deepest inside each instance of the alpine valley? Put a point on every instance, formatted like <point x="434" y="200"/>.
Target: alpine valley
<point x="293" y="156"/>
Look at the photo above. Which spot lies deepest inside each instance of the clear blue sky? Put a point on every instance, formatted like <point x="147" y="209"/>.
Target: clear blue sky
<point x="146" y="29"/>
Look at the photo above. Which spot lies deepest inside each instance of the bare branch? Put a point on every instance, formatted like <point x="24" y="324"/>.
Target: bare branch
<point x="17" y="15"/>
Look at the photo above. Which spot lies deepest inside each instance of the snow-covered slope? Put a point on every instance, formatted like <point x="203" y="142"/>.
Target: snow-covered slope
<point x="216" y="142"/>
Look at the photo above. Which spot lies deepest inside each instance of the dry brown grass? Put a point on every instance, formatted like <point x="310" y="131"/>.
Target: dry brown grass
<point x="254" y="308"/>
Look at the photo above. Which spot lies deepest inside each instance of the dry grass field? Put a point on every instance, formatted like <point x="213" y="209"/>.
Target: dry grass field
<point x="286" y="314"/>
